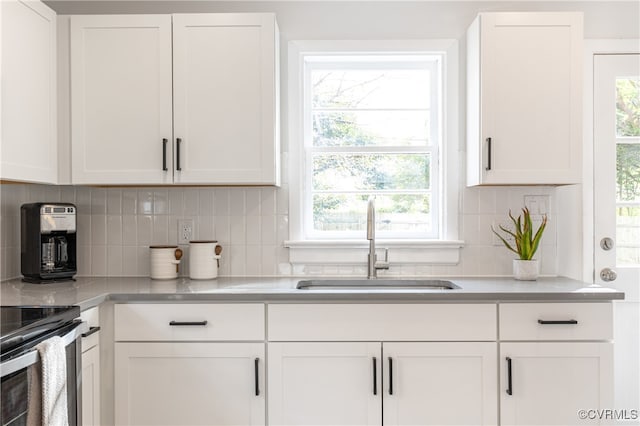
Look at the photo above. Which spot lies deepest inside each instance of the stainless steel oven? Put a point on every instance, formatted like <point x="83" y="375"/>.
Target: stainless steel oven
<point x="23" y="327"/>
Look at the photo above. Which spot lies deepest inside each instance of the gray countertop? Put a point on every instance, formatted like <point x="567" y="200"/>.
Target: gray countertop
<point x="88" y="292"/>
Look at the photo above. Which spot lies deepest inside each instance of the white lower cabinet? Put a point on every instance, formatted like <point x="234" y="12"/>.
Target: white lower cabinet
<point x="548" y="383"/>
<point x="327" y="383"/>
<point x="189" y="383"/>
<point x="412" y="383"/>
<point x="91" y="387"/>
<point x="90" y="397"/>
<point x="440" y="383"/>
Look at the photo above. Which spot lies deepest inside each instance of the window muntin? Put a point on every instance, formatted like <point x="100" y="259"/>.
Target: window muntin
<point x="373" y="126"/>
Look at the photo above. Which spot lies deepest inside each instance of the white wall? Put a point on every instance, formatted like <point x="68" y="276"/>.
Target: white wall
<point x="252" y="223"/>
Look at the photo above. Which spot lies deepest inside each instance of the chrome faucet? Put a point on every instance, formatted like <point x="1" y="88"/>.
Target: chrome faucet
<point x="373" y="265"/>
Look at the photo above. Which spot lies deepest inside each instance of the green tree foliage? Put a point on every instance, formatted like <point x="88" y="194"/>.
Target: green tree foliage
<point x="363" y="172"/>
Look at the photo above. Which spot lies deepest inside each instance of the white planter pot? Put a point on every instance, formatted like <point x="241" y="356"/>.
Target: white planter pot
<point x="525" y="270"/>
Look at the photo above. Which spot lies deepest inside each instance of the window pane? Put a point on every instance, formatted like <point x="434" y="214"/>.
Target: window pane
<point x="348" y="212"/>
<point x="628" y="235"/>
<point x="628" y="107"/>
<point x="357" y="172"/>
<point x="628" y="172"/>
<point x="389" y="89"/>
<point x="371" y="128"/>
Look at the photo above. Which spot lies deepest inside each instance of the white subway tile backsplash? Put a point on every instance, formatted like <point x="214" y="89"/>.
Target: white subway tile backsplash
<point x="145" y="202"/>
<point x="486" y="200"/>
<point x="268" y="230"/>
<point x="114" y="230"/>
<point x="114" y="202"/>
<point x="237" y="202"/>
<point x="129" y="261"/>
<point x="238" y="228"/>
<point x="160" y="230"/>
<point x="254" y="233"/>
<point x="223" y="229"/>
<point x="160" y="202"/>
<point x="221" y="206"/>
<point x="205" y="202"/>
<point x="114" y="261"/>
<point x="206" y="228"/>
<point x="145" y="230"/>
<point x="83" y="233"/>
<point x="98" y="230"/>
<point x="98" y="201"/>
<point x="191" y="202"/>
<point x="268" y="201"/>
<point x="176" y="201"/>
<point x="129" y="230"/>
<point x="268" y="259"/>
<point x="116" y="226"/>
<point x="252" y="202"/>
<point x="253" y="263"/>
<point x="238" y="259"/>
<point x="129" y="201"/>
<point x="99" y="261"/>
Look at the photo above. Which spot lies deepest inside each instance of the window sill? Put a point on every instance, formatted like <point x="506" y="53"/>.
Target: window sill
<point x="354" y="252"/>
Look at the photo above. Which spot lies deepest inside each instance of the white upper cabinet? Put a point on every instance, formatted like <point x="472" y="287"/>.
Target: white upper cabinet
<point x="524" y="98"/>
<point x="121" y="99"/>
<point x="29" y="135"/>
<point x="162" y="99"/>
<point x="224" y="98"/>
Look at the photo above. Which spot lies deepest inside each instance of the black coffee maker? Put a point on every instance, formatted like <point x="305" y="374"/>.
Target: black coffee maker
<point x="48" y="242"/>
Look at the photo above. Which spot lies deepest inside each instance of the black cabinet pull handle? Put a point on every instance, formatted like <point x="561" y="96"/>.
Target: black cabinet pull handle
<point x="390" y="376"/>
<point x="188" y="323"/>
<point x="256" y="364"/>
<point x="509" y="383"/>
<point x="178" y="143"/>
<point x="164" y="154"/>
<point x="571" y="321"/>
<point x="91" y="331"/>
<point x="375" y="376"/>
<point x="489" y="154"/>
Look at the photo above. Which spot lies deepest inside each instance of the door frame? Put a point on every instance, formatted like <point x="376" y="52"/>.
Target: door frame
<point x="594" y="47"/>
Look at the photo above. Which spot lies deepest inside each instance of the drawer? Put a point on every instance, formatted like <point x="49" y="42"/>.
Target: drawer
<point x="378" y="322"/>
<point x="189" y="322"/>
<point x="92" y="318"/>
<point x="556" y="321"/>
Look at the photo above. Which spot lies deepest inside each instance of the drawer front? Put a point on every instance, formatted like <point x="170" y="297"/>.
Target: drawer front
<point x="556" y="321"/>
<point x="92" y="318"/>
<point x="189" y="322"/>
<point x="377" y="322"/>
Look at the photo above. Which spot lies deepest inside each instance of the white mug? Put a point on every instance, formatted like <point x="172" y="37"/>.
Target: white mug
<point x="164" y="262"/>
<point x="203" y="260"/>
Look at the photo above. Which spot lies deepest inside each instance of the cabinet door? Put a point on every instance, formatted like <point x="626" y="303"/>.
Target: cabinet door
<point x="440" y="384"/>
<point x="28" y="134"/>
<point x="121" y="99"/>
<point x="325" y="384"/>
<point x="189" y="384"/>
<point x="225" y="98"/>
<point x="525" y="98"/>
<point x="549" y="383"/>
<point x="91" y="387"/>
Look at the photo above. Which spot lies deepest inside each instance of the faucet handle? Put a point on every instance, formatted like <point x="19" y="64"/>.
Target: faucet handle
<point x="383" y="264"/>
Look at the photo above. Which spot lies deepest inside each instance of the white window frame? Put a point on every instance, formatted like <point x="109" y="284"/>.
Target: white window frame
<point x="443" y="248"/>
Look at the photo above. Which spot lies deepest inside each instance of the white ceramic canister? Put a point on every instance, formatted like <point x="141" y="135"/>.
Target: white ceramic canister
<point x="203" y="260"/>
<point x="165" y="261"/>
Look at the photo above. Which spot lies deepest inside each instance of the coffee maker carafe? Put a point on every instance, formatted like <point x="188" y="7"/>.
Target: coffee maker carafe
<point x="48" y="242"/>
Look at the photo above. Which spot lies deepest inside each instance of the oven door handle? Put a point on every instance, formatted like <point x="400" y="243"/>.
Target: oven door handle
<point x="31" y="357"/>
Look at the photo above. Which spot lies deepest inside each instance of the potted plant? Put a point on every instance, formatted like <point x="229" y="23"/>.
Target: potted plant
<point x="526" y="243"/>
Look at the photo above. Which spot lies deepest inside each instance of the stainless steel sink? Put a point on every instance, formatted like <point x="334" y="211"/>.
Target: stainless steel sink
<point x="376" y="285"/>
